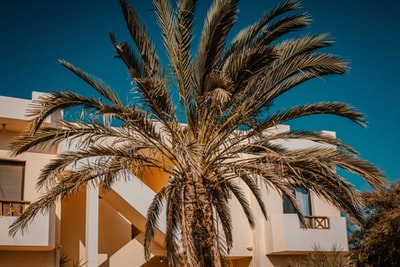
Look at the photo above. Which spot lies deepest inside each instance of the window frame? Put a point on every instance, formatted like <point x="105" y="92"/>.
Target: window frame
<point x="19" y="164"/>
<point x="288" y="207"/>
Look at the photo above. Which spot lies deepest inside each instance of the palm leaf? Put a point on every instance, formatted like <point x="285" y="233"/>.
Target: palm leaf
<point x="96" y="83"/>
<point x="335" y="108"/>
<point x="220" y="19"/>
<point x="153" y="214"/>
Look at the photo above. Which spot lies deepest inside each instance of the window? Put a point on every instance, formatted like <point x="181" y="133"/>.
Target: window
<point x="303" y="197"/>
<point x="11" y="180"/>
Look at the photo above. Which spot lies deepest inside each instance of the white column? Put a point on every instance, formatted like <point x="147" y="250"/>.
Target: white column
<point x="92" y="225"/>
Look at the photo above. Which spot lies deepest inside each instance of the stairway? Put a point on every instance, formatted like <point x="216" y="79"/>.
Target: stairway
<point x="131" y="200"/>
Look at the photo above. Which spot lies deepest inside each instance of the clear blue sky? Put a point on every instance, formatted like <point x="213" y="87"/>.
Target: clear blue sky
<point x="34" y="34"/>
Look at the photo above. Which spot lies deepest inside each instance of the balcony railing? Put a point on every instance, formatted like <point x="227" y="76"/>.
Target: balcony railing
<point x="287" y="236"/>
<point x="317" y="222"/>
<point x="12" y="207"/>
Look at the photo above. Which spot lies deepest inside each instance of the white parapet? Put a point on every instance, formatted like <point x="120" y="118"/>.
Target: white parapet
<point x="38" y="236"/>
<point x="288" y="236"/>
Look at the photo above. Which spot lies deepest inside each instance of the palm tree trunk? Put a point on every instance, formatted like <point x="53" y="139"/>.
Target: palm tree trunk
<point x="199" y="239"/>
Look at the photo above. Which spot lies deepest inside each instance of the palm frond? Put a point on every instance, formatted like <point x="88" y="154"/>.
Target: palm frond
<point x="153" y="214"/>
<point x="302" y="45"/>
<point x="220" y="19"/>
<point x="168" y="22"/>
<point x="53" y="102"/>
<point x="185" y="67"/>
<point x="221" y="205"/>
<point x="142" y="41"/>
<point x="152" y="84"/>
<point x="361" y="167"/>
<point x="316" y="172"/>
<point x="320" y="138"/>
<point x="284" y="25"/>
<point x="255" y="190"/>
<point x="334" y="108"/>
<point x="246" y="36"/>
<point x="51" y="136"/>
<point x="248" y="64"/>
<point x="128" y="56"/>
<point x="271" y="171"/>
<point x="317" y="177"/>
<point x="244" y="203"/>
<point x="177" y="34"/>
<point x="94" y="82"/>
<point x="173" y="229"/>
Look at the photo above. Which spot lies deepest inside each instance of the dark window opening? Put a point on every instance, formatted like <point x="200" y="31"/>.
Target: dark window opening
<point x="303" y="197"/>
<point x="11" y="180"/>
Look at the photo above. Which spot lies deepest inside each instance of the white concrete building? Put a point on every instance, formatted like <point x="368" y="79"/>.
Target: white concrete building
<point x="106" y="228"/>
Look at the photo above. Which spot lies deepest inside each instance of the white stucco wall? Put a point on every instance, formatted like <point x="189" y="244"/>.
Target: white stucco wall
<point x="38" y="236"/>
<point x="16" y="108"/>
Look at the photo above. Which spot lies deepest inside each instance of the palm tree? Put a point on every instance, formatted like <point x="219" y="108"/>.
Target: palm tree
<point x="225" y="92"/>
<point x="377" y="241"/>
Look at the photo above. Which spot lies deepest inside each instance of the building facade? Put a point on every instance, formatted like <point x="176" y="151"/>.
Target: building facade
<point x="97" y="228"/>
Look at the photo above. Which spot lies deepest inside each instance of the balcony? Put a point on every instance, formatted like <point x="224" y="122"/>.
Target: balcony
<point x="316" y="222"/>
<point x="288" y="236"/>
<point x="12" y="207"/>
<point x="39" y="236"/>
